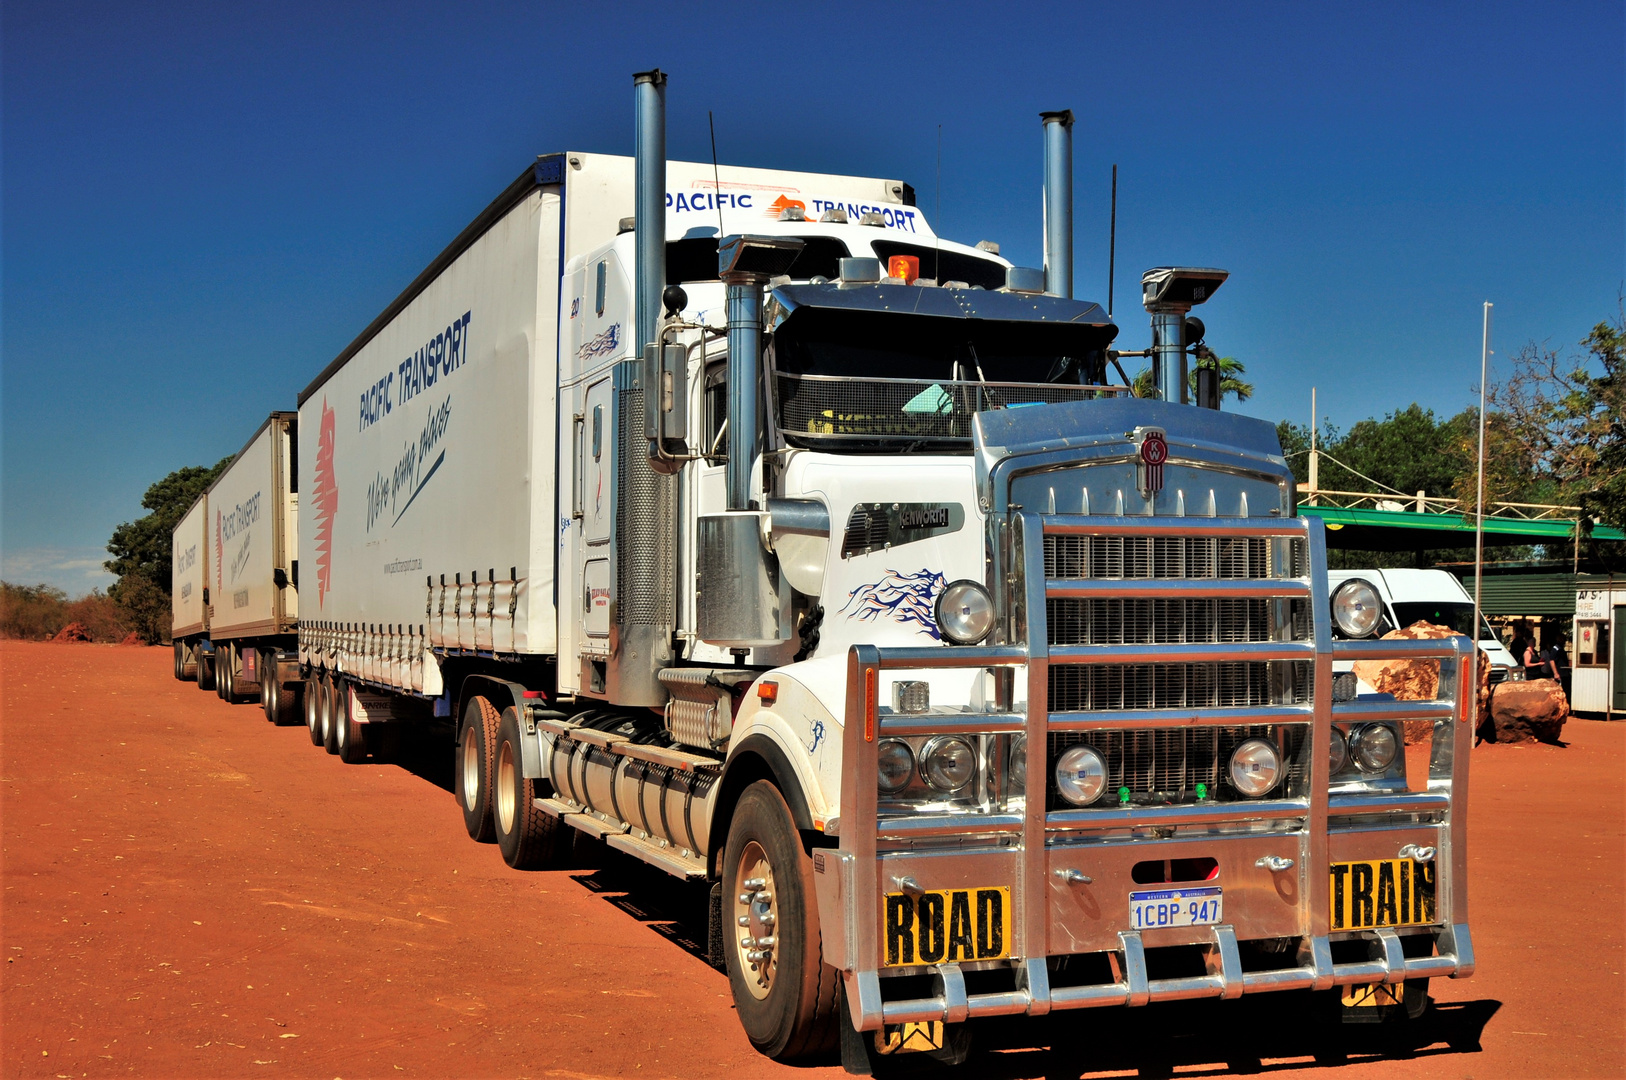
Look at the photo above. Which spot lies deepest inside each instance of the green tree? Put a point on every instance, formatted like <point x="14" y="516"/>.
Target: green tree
<point x="141" y="549"/>
<point x="1231" y="385"/>
<point x="1555" y="428"/>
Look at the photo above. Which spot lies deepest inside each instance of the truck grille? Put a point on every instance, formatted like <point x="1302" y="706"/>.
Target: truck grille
<point x="1165" y="765"/>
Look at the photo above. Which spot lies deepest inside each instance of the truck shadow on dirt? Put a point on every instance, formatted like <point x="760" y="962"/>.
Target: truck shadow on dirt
<point x="1253" y="1036"/>
<point x="1256" y="1035"/>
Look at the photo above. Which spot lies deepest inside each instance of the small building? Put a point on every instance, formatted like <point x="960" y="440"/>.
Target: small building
<point x="1598" y="648"/>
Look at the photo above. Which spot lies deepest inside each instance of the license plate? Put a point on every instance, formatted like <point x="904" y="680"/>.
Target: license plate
<point x="948" y="926"/>
<point x="1153" y="910"/>
<point x="1382" y="892"/>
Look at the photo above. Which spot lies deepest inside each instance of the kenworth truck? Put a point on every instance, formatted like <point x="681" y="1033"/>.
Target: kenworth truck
<point x="738" y="521"/>
<point x="239" y="628"/>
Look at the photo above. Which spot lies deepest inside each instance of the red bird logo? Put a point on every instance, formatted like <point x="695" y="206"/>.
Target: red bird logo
<point x="325" y="498"/>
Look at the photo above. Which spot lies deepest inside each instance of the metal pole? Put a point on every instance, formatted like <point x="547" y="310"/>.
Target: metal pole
<point x="1315" y="457"/>
<point x="1112" y="243"/>
<point x="1479" y="500"/>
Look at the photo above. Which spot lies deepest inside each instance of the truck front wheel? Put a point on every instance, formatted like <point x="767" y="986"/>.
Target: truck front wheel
<point x="476" y="746"/>
<point x="529" y="838"/>
<point x="783" y="991"/>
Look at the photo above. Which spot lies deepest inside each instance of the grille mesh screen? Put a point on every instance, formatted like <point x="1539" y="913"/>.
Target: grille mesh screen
<point x="1228" y="684"/>
<point x="644" y="543"/>
<point x="1113" y="621"/>
<point x="1230" y="557"/>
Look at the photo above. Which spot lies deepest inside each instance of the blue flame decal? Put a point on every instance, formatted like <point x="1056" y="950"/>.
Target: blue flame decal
<point x="904" y="598"/>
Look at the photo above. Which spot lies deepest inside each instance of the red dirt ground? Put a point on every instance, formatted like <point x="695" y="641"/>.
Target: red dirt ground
<point x="190" y="892"/>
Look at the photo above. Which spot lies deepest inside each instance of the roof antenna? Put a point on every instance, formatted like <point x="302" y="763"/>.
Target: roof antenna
<point x="1112" y="241"/>
<point x="937" y="231"/>
<point x="717" y="184"/>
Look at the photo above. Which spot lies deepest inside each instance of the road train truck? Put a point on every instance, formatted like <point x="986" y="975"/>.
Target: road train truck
<point x="737" y="520"/>
<point x="240" y="579"/>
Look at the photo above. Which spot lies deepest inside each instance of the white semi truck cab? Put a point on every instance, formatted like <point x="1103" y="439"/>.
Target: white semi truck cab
<point x="971" y="684"/>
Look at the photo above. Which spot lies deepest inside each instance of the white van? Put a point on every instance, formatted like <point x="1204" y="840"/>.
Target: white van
<point x="1433" y="596"/>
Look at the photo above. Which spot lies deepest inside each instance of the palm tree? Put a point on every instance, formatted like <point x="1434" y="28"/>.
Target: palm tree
<point x="1229" y="367"/>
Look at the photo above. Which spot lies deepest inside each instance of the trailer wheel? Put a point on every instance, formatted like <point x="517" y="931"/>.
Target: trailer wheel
<point x="180" y="660"/>
<point x="267" y="686"/>
<point x="529" y="838"/>
<point x="330" y="713"/>
<point x="285" y="704"/>
<point x="476" y="746"/>
<point x="313" y="707"/>
<point x="785" y="994"/>
<point x="350" y="742"/>
<point x="206" y="671"/>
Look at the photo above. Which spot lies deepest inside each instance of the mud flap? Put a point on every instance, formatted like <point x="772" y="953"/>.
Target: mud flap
<point x="714" y="928"/>
<point x="901" y="1049"/>
<point x="1379" y="1003"/>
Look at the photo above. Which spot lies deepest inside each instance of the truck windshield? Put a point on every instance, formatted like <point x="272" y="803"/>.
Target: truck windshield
<point x="1459" y="617"/>
<point x="859" y="380"/>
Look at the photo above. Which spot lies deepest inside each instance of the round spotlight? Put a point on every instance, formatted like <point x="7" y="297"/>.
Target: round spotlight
<point x="1337" y="753"/>
<point x="1255" y="767"/>
<point x="1081" y="775"/>
<point x="1375" y="747"/>
<point x="1018" y="767"/>
<point x="965" y="612"/>
<point x="948" y="762"/>
<point x="1356" y="608"/>
<point x="894" y="765"/>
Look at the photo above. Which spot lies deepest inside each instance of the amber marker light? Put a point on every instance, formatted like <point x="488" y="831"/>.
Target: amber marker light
<point x="906" y="267"/>
<point x="871" y="678"/>
<point x="768" y="692"/>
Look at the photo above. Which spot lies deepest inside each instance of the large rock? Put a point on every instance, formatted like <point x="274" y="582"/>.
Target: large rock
<point x="1529" y="711"/>
<point x="1419" y="680"/>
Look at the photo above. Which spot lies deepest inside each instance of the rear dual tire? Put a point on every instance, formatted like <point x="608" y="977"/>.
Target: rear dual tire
<point x="349" y="738"/>
<point x="186" y="661"/>
<point x="313" y="705"/>
<point x="471" y="773"/>
<point x="206" y="670"/>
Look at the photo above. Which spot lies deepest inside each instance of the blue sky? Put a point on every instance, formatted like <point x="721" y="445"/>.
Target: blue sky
<point x="202" y="204"/>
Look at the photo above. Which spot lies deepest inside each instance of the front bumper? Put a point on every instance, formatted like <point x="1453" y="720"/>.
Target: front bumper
<point x="1068" y="873"/>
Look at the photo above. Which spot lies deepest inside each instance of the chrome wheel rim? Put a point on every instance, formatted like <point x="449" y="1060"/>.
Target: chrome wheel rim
<point x="471" y="769"/>
<point x="312" y="712"/>
<point x="327" y="708"/>
<point x="507" y="800"/>
<point x="756" y="920"/>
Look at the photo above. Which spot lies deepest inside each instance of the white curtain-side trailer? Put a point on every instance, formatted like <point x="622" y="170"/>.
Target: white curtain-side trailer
<point x="189" y="595"/>
<point x="253" y="571"/>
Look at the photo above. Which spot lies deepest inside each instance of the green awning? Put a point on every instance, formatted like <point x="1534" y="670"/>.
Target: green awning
<point x="1405" y="530"/>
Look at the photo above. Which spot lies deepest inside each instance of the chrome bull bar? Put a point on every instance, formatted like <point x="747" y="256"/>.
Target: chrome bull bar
<point x="849" y="889"/>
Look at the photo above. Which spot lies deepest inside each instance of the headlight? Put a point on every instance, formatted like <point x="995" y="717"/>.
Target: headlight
<point x="1375" y="747"/>
<point x="1081" y="775"/>
<point x="1337" y="753"/>
<point x="1356" y="608"/>
<point x="948" y="763"/>
<point x="895" y="765"/>
<point x="1018" y="768"/>
<point x="1255" y="767"/>
<point x="965" y="612"/>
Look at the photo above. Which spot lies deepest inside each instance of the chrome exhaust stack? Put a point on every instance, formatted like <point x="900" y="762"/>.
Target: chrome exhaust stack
<point x="1058" y="202"/>
<point x="649" y="200"/>
<point x="739" y="604"/>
